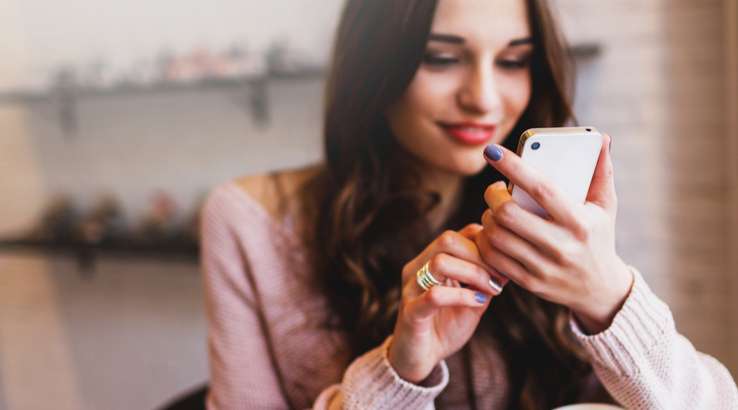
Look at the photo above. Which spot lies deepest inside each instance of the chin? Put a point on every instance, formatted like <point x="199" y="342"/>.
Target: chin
<point x="465" y="167"/>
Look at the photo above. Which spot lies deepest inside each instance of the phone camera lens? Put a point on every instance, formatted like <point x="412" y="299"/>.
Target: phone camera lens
<point x="536" y="145"/>
<point x="589" y="129"/>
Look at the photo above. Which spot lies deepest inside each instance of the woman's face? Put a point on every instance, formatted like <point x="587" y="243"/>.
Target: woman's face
<point x="472" y="86"/>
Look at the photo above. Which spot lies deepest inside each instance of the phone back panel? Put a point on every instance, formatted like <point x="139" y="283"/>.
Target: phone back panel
<point x="567" y="156"/>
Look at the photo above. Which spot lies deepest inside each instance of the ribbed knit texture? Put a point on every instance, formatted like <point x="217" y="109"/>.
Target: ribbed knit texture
<point x="268" y="350"/>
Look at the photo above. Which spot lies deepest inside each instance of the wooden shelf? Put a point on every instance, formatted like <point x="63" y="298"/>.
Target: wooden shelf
<point x="208" y="84"/>
<point x="67" y="99"/>
<point x="172" y="250"/>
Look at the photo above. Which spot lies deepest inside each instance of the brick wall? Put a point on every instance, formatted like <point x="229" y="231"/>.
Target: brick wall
<point x="731" y="154"/>
<point x="658" y="89"/>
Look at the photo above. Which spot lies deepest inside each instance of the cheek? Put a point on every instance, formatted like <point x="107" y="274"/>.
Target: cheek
<point x="413" y="116"/>
<point x="425" y="97"/>
<point x="517" y="96"/>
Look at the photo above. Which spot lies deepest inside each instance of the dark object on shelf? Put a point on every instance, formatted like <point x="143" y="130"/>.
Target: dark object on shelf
<point x="259" y="104"/>
<point x="105" y="224"/>
<point x="191" y="229"/>
<point x="61" y="228"/>
<point x="160" y="221"/>
<point x="191" y="400"/>
<point x="57" y="223"/>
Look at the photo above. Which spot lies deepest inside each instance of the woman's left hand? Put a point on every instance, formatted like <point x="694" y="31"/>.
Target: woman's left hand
<point x="568" y="258"/>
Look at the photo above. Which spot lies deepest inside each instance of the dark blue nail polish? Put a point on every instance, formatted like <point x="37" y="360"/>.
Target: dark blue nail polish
<point x="493" y="152"/>
<point x="480" y="297"/>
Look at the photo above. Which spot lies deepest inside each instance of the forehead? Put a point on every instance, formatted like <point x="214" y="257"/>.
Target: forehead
<point x="492" y="22"/>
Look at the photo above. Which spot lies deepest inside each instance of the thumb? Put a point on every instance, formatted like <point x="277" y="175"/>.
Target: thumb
<point x="496" y="194"/>
<point x="470" y="231"/>
<point x="602" y="189"/>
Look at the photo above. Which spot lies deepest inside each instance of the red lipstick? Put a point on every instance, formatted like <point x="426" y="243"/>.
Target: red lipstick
<point x="469" y="133"/>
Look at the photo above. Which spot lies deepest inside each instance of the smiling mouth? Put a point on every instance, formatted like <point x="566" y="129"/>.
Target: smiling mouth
<point x="469" y="134"/>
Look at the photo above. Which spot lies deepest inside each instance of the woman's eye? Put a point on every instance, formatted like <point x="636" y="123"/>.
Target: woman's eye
<point x="439" y="61"/>
<point x="513" y="64"/>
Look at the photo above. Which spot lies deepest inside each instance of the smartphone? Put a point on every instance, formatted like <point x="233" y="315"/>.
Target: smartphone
<point x="567" y="156"/>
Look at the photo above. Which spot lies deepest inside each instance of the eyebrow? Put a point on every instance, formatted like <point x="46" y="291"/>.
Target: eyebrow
<point x="446" y="38"/>
<point x="520" y="41"/>
<point x="454" y="39"/>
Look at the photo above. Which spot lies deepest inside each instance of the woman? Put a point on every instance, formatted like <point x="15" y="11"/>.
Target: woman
<point x="319" y="281"/>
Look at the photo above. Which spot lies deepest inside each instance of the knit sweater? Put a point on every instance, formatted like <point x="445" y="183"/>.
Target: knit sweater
<point x="268" y="350"/>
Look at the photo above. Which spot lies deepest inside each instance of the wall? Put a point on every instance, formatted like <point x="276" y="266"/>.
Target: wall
<point x="132" y="146"/>
<point x="183" y="143"/>
<point x="21" y="185"/>
<point x="658" y="89"/>
<point x="122" y="33"/>
<point x="731" y="115"/>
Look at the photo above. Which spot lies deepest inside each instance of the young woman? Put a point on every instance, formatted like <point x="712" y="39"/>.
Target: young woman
<point x="364" y="282"/>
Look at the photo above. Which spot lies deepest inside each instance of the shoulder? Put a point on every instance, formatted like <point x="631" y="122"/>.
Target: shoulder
<point x="259" y="199"/>
<point x="277" y="193"/>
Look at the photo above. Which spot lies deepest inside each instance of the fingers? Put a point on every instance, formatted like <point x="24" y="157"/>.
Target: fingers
<point x="454" y="260"/>
<point x="470" y="230"/>
<point x="444" y="266"/>
<point x="503" y="263"/>
<point x="439" y="297"/>
<point x="496" y="194"/>
<point x="450" y="242"/>
<point x="498" y="280"/>
<point x="546" y="194"/>
<point x="545" y="235"/>
<point x="508" y="242"/>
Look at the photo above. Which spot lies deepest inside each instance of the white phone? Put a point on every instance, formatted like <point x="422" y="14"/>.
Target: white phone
<point x="567" y="156"/>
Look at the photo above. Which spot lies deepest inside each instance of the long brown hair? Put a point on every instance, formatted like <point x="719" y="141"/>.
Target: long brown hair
<point x="369" y="210"/>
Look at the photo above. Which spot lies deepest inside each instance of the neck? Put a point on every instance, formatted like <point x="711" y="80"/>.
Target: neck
<point x="449" y="186"/>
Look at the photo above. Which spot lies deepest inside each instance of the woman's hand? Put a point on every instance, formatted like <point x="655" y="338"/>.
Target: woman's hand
<point x="568" y="258"/>
<point x="433" y="324"/>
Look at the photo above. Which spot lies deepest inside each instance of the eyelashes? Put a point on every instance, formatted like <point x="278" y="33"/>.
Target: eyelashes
<point x="514" y="64"/>
<point x="441" y="61"/>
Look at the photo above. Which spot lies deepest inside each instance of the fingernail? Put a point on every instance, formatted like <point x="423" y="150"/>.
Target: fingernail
<point x="480" y="297"/>
<point x="499" y="185"/>
<point x="492" y="152"/>
<point x="610" y="147"/>
<point x="495" y="286"/>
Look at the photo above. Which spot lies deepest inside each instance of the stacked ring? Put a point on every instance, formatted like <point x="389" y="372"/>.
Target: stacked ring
<point x="425" y="278"/>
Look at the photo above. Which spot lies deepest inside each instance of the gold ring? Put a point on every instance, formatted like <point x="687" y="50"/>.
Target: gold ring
<point x="425" y="278"/>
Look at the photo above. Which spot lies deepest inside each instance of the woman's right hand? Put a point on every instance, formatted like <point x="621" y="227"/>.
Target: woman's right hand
<point x="433" y="324"/>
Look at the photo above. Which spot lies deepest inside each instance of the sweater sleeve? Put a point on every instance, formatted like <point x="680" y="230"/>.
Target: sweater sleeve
<point x="644" y="363"/>
<point x="370" y="382"/>
<point x="242" y="375"/>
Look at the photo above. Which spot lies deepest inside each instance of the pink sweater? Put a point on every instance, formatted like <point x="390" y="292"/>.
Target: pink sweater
<point x="267" y="349"/>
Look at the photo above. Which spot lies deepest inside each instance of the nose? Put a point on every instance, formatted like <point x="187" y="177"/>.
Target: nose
<point x="480" y="92"/>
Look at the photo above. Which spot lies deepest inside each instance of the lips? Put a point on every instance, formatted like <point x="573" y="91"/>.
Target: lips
<point x="469" y="133"/>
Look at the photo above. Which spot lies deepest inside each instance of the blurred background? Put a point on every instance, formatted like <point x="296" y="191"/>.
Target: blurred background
<point x="117" y="118"/>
